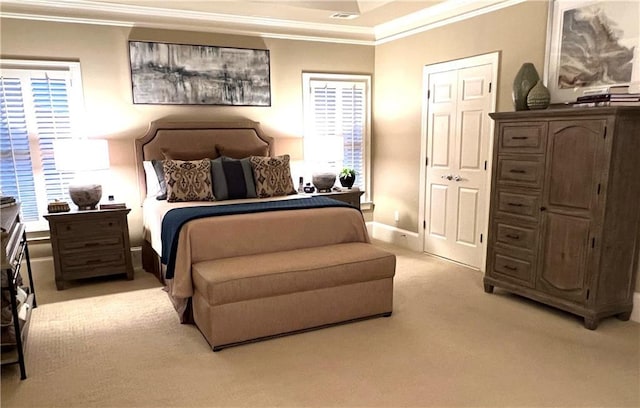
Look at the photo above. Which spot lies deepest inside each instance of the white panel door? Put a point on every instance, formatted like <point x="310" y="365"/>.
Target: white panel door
<point x="457" y="148"/>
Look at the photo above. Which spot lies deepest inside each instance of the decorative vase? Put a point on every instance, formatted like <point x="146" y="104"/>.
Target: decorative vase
<point x="525" y="79"/>
<point x="323" y="181"/>
<point x="538" y="97"/>
<point x="347" y="181"/>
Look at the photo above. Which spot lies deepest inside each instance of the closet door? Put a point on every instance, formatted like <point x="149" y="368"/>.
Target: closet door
<point x="570" y="207"/>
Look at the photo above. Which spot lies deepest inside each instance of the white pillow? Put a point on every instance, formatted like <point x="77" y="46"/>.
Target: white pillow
<point x="153" y="185"/>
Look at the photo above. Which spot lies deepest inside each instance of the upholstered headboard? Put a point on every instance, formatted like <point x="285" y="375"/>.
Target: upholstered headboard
<point x="193" y="140"/>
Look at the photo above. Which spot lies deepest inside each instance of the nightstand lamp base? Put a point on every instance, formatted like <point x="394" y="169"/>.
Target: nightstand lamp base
<point x="85" y="196"/>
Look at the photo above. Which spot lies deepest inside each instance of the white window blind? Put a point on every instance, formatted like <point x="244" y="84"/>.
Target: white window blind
<point x="337" y="108"/>
<point x="36" y="108"/>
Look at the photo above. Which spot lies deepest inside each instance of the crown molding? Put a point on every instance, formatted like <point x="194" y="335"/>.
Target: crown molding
<point x="122" y="15"/>
<point x="442" y="14"/>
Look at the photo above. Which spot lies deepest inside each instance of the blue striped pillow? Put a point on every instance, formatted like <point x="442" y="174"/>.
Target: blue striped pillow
<point x="232" y="178"/>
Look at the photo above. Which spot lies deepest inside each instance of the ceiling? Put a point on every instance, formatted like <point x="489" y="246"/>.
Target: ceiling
<point x="371" y="22"/>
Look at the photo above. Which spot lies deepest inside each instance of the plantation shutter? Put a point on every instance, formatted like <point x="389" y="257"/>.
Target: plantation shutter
<point x="35" y="111"/>
<point x="339" y="109"/>
<point x="15" y="157"/>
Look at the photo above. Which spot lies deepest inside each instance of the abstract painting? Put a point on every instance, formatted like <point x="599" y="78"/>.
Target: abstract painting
<point x="180" y="74"/>
<point x="592" y="44"/>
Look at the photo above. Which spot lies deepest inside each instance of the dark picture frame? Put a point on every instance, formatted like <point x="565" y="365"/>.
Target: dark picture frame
<point x="591" y="45"/>
<point x="183" y="74"/>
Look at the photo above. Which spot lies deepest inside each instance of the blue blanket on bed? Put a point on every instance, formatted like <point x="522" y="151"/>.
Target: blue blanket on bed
<point x="174" y="219"/>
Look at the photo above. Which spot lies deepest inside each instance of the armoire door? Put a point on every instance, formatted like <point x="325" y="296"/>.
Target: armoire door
<point x="573" y="183"/>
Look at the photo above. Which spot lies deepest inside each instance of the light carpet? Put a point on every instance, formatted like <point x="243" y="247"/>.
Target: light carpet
<point x="447" y="344"/>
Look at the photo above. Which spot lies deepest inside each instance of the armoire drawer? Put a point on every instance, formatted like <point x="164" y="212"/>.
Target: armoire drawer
<point x="523" y="137"/>
<point x="522" y="171"/>
<point x="518" y="236"/>
<point x="522" y="205"/>
<point x="518" y="269"/>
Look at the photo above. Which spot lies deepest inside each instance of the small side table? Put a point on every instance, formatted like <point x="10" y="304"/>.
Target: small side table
<point x="90" y="243"/>
<point x="349" y="196"/>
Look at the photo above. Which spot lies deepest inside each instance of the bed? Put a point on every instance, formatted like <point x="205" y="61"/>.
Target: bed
<point x="235" y="266"/>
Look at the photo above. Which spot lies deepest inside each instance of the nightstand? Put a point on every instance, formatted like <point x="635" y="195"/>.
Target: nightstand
<point x="350" y="196"/>
<point x="90" y="243"/>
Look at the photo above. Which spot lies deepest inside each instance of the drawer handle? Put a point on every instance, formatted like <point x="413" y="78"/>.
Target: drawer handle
<point x="520" y="137"/>
<point x="94" y="261"/>
<point x="514" y="204"/>
<point x="91" y="244"/>
<point x="511" y="268"/>
<point x="512" y="236"/>
<point x="519" y="171"/>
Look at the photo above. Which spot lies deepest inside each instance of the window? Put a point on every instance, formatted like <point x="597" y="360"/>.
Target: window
<point x="38" y="100"/>
<point x="337" y="123"/>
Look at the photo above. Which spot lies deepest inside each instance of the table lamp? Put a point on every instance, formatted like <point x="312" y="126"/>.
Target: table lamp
<point x="84" y="157"/>
<point x="328" y="152"/>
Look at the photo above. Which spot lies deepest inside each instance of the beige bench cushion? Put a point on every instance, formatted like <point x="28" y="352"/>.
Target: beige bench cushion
<point x="241" y="278"/>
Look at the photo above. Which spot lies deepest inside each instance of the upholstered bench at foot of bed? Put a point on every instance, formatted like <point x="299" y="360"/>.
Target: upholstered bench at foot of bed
<point x="253" y="297"/>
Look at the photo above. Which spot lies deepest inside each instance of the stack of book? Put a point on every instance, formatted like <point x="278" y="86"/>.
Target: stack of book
<point x="6" y="201"/>
<point x="613" y="96"/>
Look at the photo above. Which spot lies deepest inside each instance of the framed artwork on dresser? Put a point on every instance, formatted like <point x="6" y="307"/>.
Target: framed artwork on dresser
<point x="591" y="45"/>
<point x="183" y="74"/>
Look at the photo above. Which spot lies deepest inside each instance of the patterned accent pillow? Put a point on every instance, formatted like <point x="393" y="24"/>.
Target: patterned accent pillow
<point x="272" y="176"/>
<point x="188" y="180"/>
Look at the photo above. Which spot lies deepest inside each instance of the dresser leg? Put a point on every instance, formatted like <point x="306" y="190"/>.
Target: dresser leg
<point x="488" y="288"/>
<point x="591" y="323"/>
<point x="60" y="284"/>
<point x="624" y="316"/>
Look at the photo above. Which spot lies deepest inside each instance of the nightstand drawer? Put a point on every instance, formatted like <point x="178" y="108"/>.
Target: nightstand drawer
<point x="108" y="226"/>
<point x="91" y="244"/>
<point x="102" y="258"/>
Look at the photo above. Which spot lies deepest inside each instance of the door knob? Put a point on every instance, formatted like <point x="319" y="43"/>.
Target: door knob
<point x="457" y="178"/>
<point x="447" y="176"/>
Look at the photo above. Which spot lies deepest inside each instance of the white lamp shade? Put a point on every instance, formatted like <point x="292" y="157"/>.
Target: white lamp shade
<point x="81" y="155"/>
<point x="325" y="149"/>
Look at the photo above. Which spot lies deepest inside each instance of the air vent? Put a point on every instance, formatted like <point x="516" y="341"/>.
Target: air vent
<point x="345" y="16"/>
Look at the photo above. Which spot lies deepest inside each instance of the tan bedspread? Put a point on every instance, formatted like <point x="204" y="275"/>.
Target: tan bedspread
<point x="246" y="234"/>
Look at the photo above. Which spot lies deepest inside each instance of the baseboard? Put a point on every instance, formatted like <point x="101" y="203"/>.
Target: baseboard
<point x="393" y="235"/>
<point x="136" y="257"/>
<point x="635" y="313"/>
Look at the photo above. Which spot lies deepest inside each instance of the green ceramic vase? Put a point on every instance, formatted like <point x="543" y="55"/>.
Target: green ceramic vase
<point x="525" y="79"/>
<point x="538" y="97"/>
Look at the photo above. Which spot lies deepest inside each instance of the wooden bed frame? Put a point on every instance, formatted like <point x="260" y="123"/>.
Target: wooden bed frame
<point x="188" y="137"/>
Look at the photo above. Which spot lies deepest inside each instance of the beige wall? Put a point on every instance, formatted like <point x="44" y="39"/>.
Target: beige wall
<point x="103" y="55"/>
<point x="517" y="32"/>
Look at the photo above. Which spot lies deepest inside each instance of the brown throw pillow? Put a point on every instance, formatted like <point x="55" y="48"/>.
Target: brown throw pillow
<point x="272" y="176"/>
<point x="188" y="155"/>
<point x="242" y="152"/>
<point x="188" y="180"/>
